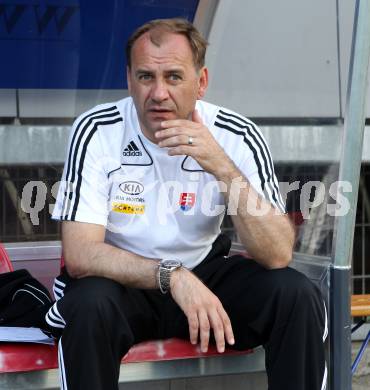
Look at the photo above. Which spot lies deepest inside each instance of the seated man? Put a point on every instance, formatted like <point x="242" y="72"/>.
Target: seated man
<point x="146" y="184"/>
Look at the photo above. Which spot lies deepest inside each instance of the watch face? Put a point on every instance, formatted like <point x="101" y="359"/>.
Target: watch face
<point x="171" y="263"/>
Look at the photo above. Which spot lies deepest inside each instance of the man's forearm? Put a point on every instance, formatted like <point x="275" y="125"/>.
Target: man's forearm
<point x="269" y="241"/>
<point x="101" y="259"/>
<point x="263" y="230"/>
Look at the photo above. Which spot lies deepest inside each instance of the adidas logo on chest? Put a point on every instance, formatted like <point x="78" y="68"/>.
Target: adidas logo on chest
<point x="132" y="150"/>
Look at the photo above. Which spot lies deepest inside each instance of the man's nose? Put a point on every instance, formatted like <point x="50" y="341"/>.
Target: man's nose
<point x="159" y="91"/>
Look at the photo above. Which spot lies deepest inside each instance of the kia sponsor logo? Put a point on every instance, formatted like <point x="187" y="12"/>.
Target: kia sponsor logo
<point x="131" y="187"/>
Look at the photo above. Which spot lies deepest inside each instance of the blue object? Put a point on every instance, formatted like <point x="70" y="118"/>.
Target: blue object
<point x="74" y="44"/>
<point x="362" y="349"/>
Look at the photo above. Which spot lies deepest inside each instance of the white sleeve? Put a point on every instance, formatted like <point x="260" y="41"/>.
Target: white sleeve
<point x="258" y="167"/>
<point x="84" y="190"/>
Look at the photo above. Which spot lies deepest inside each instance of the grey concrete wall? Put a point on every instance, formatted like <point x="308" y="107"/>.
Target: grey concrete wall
<point x="275" y="58"/>
<point x="282" y="59"/>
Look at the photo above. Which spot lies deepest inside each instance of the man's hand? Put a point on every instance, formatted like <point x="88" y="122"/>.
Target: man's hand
<point x="203" y="310"/>
<point x="204" y="148"/>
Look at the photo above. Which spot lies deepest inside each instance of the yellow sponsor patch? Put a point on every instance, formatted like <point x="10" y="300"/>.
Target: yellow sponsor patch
<point x="128" y="208"/>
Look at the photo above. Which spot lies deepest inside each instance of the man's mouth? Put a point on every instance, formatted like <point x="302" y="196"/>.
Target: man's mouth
<point x="160" y="114"/>
<point x="159" y="110"/>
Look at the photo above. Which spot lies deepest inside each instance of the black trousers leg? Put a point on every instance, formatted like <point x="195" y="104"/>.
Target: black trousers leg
<point x="102" y="321"/>
<point x="280" y="309"/>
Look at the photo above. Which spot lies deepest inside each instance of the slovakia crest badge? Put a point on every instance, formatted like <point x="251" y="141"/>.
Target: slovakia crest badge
<point x="187" y="200"/>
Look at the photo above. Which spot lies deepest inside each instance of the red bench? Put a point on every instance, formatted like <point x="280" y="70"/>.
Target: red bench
<point x="34" y="366"/>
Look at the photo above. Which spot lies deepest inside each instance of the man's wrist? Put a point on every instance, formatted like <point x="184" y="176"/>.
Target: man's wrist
<point x="165" y="270"/>
<point x="227" y="172"/>
<point x="175" y="275"/>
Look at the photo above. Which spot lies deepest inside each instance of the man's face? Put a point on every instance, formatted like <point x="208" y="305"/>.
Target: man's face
<point x="163" y="81"/>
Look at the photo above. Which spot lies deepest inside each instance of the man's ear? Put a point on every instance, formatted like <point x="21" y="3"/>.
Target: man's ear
<point x="203" y="82"/>
<point x="128" y="74"/>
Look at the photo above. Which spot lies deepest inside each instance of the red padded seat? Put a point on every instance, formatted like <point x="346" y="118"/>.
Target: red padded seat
<point x="20" y="357"/>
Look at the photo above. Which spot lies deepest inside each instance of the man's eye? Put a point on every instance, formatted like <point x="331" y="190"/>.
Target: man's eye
<point x="174" y="77"/>
<point x="145" y="77"/>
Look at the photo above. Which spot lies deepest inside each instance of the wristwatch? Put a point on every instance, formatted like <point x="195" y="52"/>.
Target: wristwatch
<point x="166" y="267"/>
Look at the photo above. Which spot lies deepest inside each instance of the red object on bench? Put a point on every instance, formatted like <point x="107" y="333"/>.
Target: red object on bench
<point x="5" y="263"/>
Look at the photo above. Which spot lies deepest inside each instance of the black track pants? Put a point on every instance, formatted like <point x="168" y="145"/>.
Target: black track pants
<point x="98" y="320"/>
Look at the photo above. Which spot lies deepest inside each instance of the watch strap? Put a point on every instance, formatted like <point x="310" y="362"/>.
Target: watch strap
<point x="166" y="267"/>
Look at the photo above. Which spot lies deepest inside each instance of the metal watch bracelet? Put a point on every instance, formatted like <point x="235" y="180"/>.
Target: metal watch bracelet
<point x="165" y="268"/>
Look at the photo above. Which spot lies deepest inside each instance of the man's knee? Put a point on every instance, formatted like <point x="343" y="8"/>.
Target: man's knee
<point x="297" y="293"/>
<point x="291" y="281"/>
